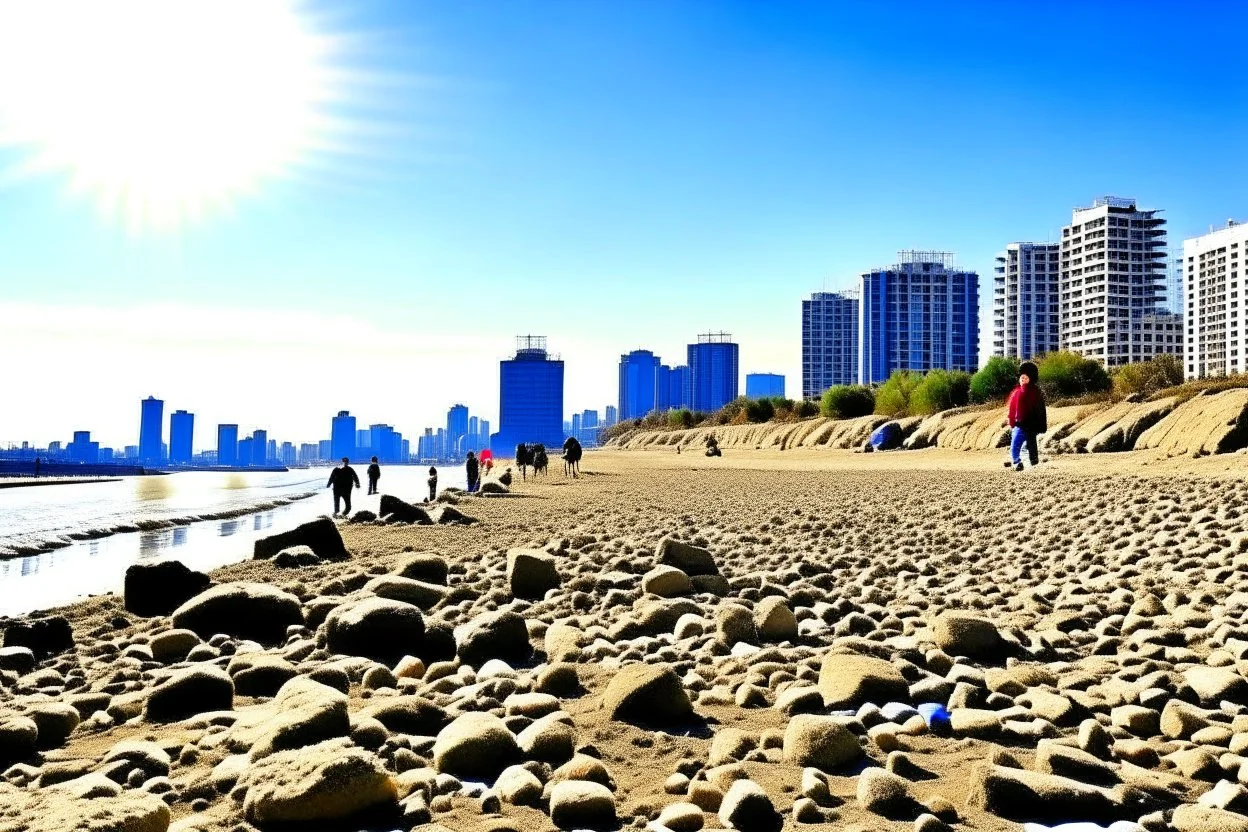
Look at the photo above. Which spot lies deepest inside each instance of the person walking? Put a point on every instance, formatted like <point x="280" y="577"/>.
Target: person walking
<point x="433" y="484"/>
<point x="1027" y="415"/>
<point x="342" y="480"/>
<point x="374" y="474"/>
<point x="474" y="472"/>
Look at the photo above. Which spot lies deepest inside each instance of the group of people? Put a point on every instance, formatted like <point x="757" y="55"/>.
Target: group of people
<point x="343" y="479"/>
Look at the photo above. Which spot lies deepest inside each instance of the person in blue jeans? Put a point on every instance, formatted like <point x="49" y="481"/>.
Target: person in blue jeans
<point x="1028" y="416"/>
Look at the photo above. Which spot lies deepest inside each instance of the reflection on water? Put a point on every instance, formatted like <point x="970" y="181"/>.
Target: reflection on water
<point x="228" y="527"/>
<point x="153" y="488"/>
<point x="179" y="536"/>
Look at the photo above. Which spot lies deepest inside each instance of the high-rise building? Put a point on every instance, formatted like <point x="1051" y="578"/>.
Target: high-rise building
<point x="530" y="397"/>
<point x="287" y="453"/>
<point x="829" y="341"/>
<point x="764" y="385"/>
<point x="713" y="371"/>
<point x="610" y="416"/>
<point x="246" y="451"/>
<point x="589" y="419"/>
<point x="385" y="443"/>
<point x="1113" y="271"/>
<point x="151" y="430"/>
<point x="663" y="388"/>
<point x="920" y="314"/>
<point x="1026" y="300"/>
<point x="227" y="445"/>
<point x="309" y="452"/>
<point x="639" y="372"/>
<point x="181" y="431"/>
<point x="576" y="424"/>
<point x="457" y="426"/>
<point x="259" y="447"/>
<point x="363" y="441"/>
<point x="679" y="387"/>
<point x="1216" y="313"/>
<point x="474" y="433"/>
<point x="342" y="436"/>
<point x="82" y="449"/>
<point x="325" y="451"/>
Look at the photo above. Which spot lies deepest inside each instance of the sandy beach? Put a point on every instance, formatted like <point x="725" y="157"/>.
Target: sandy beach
<point x="773" y="639"/>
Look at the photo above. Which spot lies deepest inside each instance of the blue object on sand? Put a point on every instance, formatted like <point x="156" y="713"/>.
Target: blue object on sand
<point x="934" y="714"/>
<point x="886" y="437"/>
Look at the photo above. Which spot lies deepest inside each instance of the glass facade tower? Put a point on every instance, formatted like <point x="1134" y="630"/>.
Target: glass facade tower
<point x="530" y="397"/>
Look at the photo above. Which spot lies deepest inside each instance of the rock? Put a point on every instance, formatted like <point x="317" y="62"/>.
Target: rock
<point x="445" y="515"/>
<point x="746" y="807"/>
<point x="774" y="619"/>
<point x="963" y="634"/>
<point x="494" y="635"/>
<point x="363" y="516"/>
<point x="518" y="786"/>
<point x="304" y="712"/>
<point x="254" y="611"/>
<point x="1226" y="795"/>
<point x="1055" y="758"/>
<point x="850" y="680"/>
<point x="45" y="636"/>
<point x="531" y="574"/>
<point x="376" y="628"/>
<point x="562" y="642"/>
<point x="259" y="674"/>
<point x="320" y="535"/>
<point x="885" y="794"/>
<point x="409" y="715"/>
<point x="153" y="760"/>
<point x="56" y="721"/>
<point x="582" y="804"/>
<point x="160" y="588"/>
<point x="820" y="742"/>
<point x="666" y="582"/>
<point x="325" y="782"/>
<point x="430" y="568"/>
<point x="20" y="660"/>
<point x="58" y="810"/>
<point x="1217" y="684"/>
<point x="296" y="557"/>
<point x="690" y="559"/>
<point x="647" y="694"/>
<point x="173" y="645"/>
<point x="18" y="737"/>
<point x="1141" y="721"/>
<point x="559" y="680"/>
<point x="189" y="692"/>
<point x="475" y="745"/>
<point x="1189" y="818"/>
<point x="494" y="487"/>
<point x="408" y="590"/>
<point x="681" y="817"/>
<point x="1017" y="794"/>
<point x="395" y="510"/>
<point x="733" y="624"/>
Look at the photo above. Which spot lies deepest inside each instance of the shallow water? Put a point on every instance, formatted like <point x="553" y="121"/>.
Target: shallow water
<point x="98" y="522"/>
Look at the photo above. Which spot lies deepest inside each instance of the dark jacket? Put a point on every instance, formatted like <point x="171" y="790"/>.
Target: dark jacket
<point x="473" y="466"/>
<point x="1027" y="409"/>
<point x="343" y="480"/>
<point x="374" y="472"/>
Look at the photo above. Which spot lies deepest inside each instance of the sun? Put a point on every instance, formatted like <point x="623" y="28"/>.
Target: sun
<point x="164" y="111"/>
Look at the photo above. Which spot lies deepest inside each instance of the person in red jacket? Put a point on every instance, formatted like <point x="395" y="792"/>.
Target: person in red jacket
<point x="1028" y="418"/>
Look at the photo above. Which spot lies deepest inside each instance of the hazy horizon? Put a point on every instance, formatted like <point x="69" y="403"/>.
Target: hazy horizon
<point x="364" y="209"/>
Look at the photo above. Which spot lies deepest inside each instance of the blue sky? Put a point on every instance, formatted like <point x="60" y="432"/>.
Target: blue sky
<point x="612" y="175"/>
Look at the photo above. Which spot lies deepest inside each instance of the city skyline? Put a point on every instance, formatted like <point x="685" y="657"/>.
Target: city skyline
<point x="500" y="161"/>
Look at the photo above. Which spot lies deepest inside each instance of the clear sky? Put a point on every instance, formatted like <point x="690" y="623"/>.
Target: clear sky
<point x="612" y="175"/>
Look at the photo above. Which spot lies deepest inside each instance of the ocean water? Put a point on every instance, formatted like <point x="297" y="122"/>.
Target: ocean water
<point x="63" y="542"/>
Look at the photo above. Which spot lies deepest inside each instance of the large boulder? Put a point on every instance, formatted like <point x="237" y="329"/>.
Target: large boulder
<point x="376" y="628"/>
<point x="494" y="635"/>
<point x="820" y="742"/>
<point x="748" y="808"/>
<point x="408" y="715"/>
<point x="848" y="680"/>
<point x="259" y="674"/>
<point x="426" y="567"/>
<point x="688" y="558"/>
<point x="60" y="810"/>
<point x="476" y="745"/>
<point x="964" y="634"/>
<point x="18" y="737"/>
<point x="1017" y="794"/>
<point x="191" y="691"/>
<point x="1217" y="684"/>
<point x="408" y="590"/>
<point x="774" y="619"/>
<point x="45" y="636"/>
<point x="56" y="721"/>
<point x="395" y="510"/>
<point x="304" y="712"/>
<point x="160" y="588"/>
<point x="647" y="694"/>
<point x="666" y="582"/>
<point x="582" y="804"/>
<point x="320" y="535"/>
<point x="247" y="610"/>
<point x="531" y="573"/>
<point x="330" y="781"/>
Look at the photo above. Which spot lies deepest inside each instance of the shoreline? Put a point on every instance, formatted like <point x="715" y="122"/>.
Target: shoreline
<point x="1120" y="589"/>
<point x="23" y="482"/>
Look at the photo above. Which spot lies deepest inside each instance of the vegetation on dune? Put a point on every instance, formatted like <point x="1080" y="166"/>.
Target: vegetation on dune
<point x="847" y="401"/>
<point x="995" y="380"/>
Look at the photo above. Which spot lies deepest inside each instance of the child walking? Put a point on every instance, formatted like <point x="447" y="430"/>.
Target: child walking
<point x="433" y="484"/>
<point x="1028" y="417"/>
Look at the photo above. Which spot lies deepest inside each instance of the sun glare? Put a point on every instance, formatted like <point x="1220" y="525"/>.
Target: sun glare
<point x="162" y="111"/>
